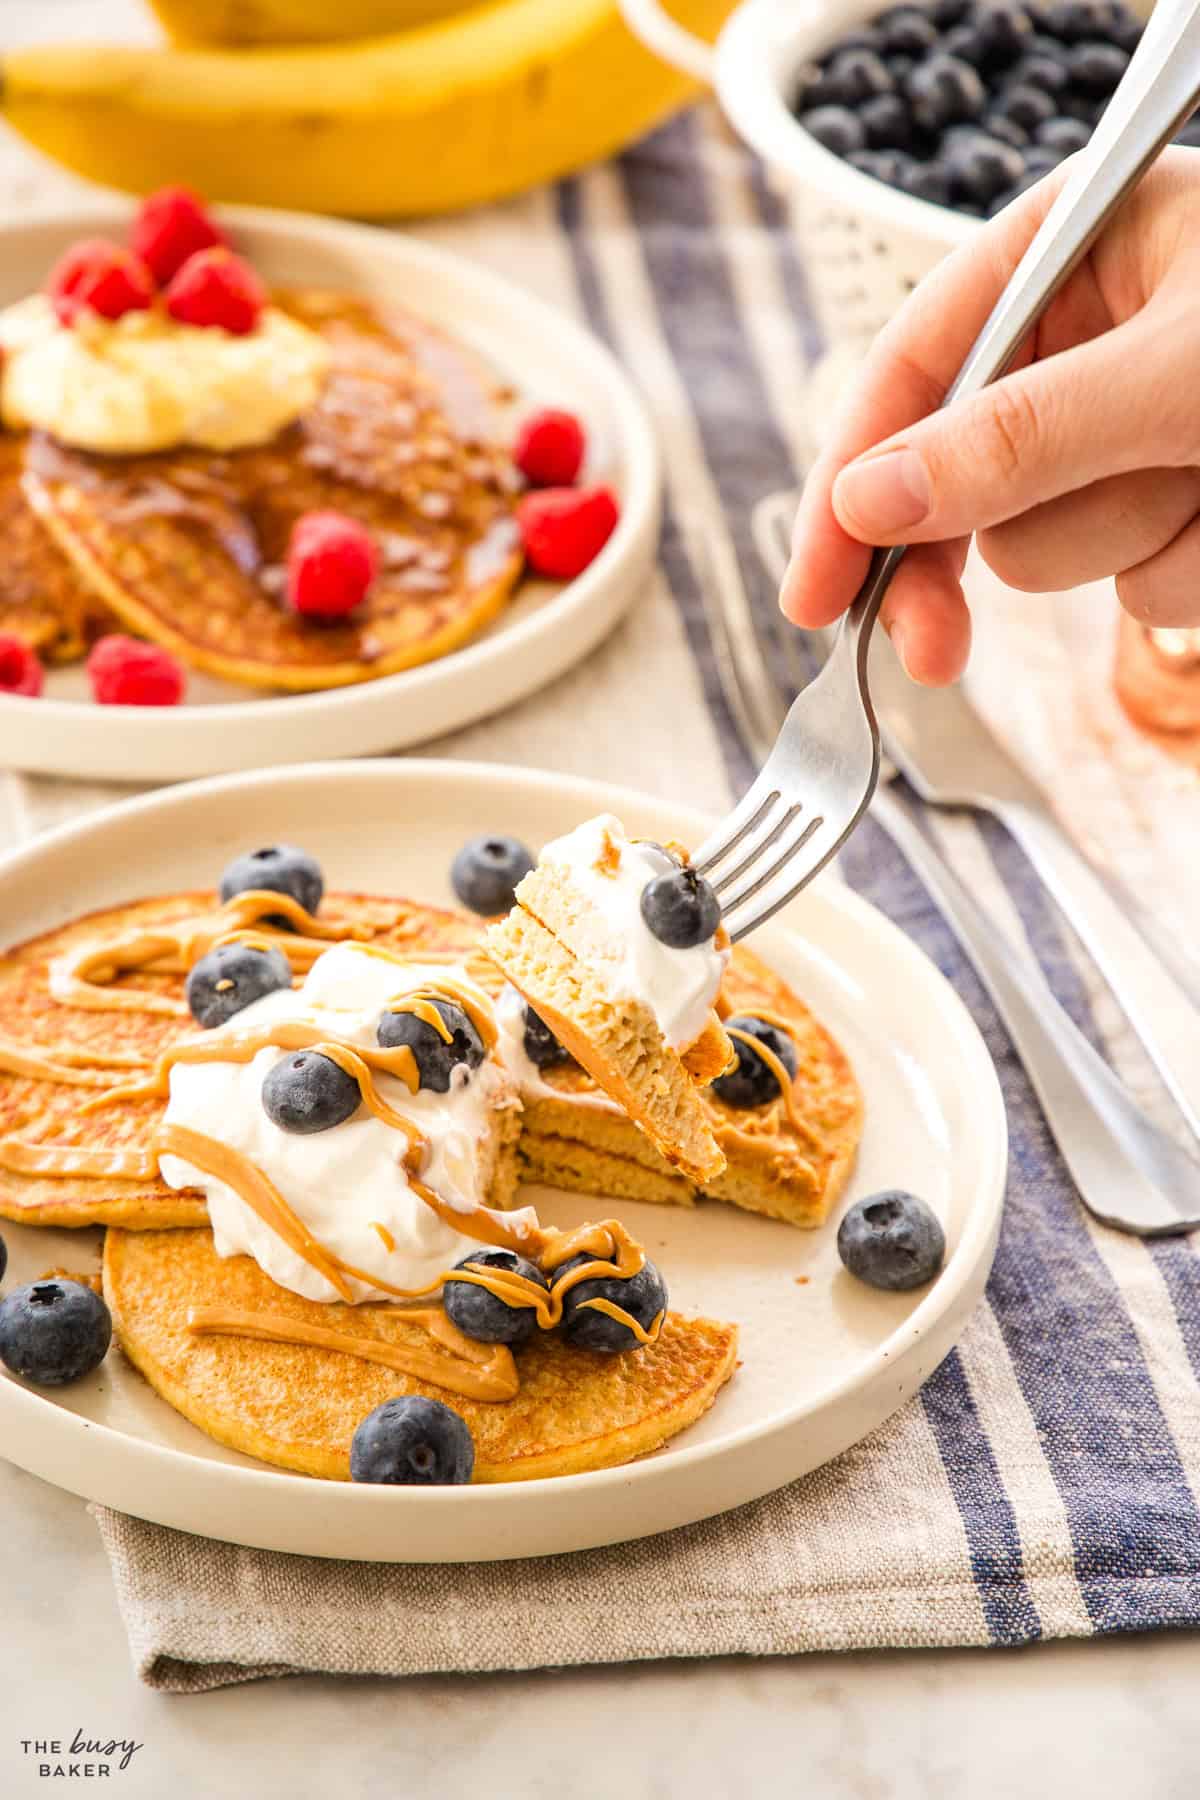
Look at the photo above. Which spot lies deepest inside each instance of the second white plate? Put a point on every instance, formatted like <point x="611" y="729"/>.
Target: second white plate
<point x="547" y="359"/>
<point x="823" y="1358"/>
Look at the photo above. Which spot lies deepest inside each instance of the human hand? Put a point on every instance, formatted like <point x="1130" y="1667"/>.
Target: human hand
<point x="1082" y="462"/>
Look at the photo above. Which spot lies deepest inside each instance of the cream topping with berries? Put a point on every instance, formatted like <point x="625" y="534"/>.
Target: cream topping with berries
<point x="145" y="382"/>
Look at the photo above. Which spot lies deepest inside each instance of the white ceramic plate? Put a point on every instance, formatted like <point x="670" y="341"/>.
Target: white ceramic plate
<point x="546" y="358"/>
<point x="824" y="1359"/>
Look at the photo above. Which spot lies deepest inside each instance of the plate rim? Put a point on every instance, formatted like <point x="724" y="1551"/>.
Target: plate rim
<point x="573" y="605"/>
<point x="981" y="1222"/>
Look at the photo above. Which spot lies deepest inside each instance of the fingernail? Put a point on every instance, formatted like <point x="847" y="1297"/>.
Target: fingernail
<point x="785" y="585"/>
<point x="896" y="635"/>
<point x="884" y="494"/>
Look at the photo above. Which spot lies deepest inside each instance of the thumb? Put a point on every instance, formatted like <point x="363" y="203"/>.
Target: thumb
<point x="1103" y="408"/>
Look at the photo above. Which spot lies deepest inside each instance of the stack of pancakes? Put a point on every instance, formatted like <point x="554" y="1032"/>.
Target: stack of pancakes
<point x="187" y="547"/>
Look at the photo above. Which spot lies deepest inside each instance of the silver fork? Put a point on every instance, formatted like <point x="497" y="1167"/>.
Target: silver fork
<point x="1128" y="1172"/>
<point x="818" y="780"/>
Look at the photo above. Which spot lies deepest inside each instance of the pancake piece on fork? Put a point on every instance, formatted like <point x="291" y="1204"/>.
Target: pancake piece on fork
<point x="788" y="1158"/>
<point x="635" y="1013"/>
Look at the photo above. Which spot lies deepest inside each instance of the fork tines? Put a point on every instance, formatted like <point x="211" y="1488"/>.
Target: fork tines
<point x="763" y="821"/>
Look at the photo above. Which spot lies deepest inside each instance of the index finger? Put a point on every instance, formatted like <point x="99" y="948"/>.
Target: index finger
<point x="906" y="374"/>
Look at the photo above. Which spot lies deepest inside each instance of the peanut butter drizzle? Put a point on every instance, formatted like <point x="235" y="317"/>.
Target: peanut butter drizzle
<point x="259" y="1193"/>
<point x="64" y="1160"/>
<point x="82" y="977"/>
<point x="613" y="1251"/>
<point x="68" y="1068"/>
<point x="778" y="1069"/>
<point x="477" y="1371"/>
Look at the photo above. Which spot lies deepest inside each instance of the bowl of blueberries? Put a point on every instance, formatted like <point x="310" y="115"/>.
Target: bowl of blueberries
<point x="896" y="130"/>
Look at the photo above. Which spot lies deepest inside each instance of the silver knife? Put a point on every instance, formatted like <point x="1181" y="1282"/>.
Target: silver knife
<point x="938" y="741"/>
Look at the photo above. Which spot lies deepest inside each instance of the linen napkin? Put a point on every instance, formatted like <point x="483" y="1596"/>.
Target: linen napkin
<point x="1045" y="1481"/>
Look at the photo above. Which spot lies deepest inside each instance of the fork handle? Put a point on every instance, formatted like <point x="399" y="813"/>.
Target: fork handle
<point x="1164" y="1019"/>
<point x="1122" y="1175"/>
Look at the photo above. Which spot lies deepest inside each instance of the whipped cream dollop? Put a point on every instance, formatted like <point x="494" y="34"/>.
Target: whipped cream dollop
<point x="346" y="1182"/>
<point x="678" y="986"/>
<point x="145" y="382"/>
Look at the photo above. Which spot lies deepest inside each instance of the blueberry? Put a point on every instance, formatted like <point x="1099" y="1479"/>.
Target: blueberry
<point x="230" y="977"/>
<point x="1096" y="68"/>
<point x="946" y="13"/>
<point x="1005" y="30"/>
<point x="982" y="167"/>
<point x="887" y="123"/>
<point x="479" y="1314"/>
<point x="997" y="126"/>
<point x="881" y="165"/>
<point x="1038" y="164"/>
<point x="412" y="1441"/>
<point x="900" y="68"/>
<point x="928" y="181"/>
<point x="1189" y="134"/>
<point x="944" y="90"/>
<point x="908" y="30"/>
<point x="643" y="1296"/>
<point x="1026" y="105"/>
<point x="1049" y="74"/>
<point x="836" y="127"/>
<point x="54" y="1331"/>
<point x="1039" y="160"/>
<point x="308" y="1092"/>
<point x="751" y="1082"/>
<point x="892" y="1240"/>
<point x="854" y="75"/>
<point x="435" y="1058"/>
<point x="281" y="869"/>
<point x="1124" y="27"/>
<point x="486" y="871"/>
<point x="541" y="1046"/>
<point x="865" y="38"/>
<point x="1063" y="135"/>
<point x="1072" y="20"/>
<point x="966" y="44"/>
<point x="681" y="909"/>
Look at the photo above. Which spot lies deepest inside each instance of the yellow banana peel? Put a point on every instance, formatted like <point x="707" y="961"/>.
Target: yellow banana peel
<point x="465" y="110"/>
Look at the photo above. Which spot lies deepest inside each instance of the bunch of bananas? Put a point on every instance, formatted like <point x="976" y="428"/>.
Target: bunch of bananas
<point x="378" y="108"/>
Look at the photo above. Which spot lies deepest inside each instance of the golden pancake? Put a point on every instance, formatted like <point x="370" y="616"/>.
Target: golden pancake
<point x="789" y="1159"/>
<point x="187" y="547"/>
<point x="43" y="600"/>
<point x="89" y="1049"/>
<point x="297" y="1405"/>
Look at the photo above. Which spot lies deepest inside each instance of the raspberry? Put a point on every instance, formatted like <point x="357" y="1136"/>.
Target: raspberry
<point x="172" y="225"/>
<point x="330" y="564"/>
<point x="103" y="276"/>
<point x="20" y="670"/>
<point x="125" y="672"/>
<point x="215" y="287"/>
<point x="564" y="529"/>
<point x="549" y="449"/>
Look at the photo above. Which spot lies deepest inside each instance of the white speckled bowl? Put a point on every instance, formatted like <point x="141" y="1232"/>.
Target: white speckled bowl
<point x="865" y="245"/>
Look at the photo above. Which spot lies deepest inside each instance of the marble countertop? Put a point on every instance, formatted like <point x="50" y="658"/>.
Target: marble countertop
<point x="1068" y="1720"/>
